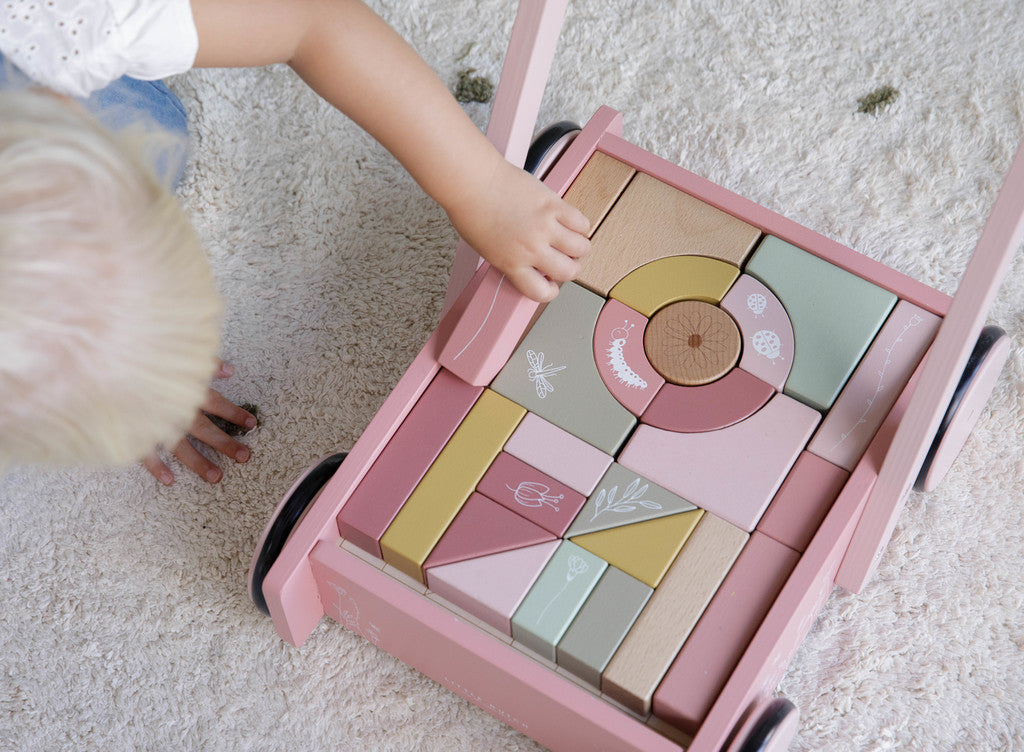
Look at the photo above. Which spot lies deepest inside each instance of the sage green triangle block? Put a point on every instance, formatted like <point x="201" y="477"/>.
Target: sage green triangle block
<point x="623" y="497"/>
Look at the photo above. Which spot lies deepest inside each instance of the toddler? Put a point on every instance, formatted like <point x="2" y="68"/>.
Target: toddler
<point x="108" y="313"/>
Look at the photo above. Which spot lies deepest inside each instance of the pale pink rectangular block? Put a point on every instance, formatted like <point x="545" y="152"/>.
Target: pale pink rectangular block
<point x="871" y="391"/>
<point x="558" y="453"/>
<point x="713" y="649"/>
<point x="411" y="451"/>
<point x="803" y="501"/>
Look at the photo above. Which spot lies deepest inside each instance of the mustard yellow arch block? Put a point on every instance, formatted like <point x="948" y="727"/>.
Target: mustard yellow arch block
<point x="644" y="550"/>
<point x="653" y="286"/>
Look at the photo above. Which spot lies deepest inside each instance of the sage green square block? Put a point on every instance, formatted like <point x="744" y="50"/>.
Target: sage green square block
<point x="555" y="598"/>
<point x="835" y="317"/>
<point x="602" y="623"/>
<point x="553" y="373"/>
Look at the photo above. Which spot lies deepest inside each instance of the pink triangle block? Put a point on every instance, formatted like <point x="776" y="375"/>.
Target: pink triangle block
<point x="492" y="587"/>
<point x="483" y="527"/>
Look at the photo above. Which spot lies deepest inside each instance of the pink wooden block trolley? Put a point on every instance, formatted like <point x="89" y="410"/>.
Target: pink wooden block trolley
<point x="551" y="417"/>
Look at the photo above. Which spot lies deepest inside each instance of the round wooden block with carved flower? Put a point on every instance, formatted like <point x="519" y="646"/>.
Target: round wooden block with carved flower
<point x="691" y="343"/>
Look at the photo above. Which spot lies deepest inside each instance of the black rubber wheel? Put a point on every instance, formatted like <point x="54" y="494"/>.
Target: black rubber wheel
<point x="772" y="718"/>
<point x="988" y="338"/>
<point x="286" y="520"/>
<point x="544" y="141"/>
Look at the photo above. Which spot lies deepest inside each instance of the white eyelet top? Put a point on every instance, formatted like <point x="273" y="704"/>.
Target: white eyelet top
<point x="78" y="46"/>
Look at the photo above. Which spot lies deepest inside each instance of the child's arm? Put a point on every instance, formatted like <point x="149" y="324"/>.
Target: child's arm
<point x="355" y="61"/>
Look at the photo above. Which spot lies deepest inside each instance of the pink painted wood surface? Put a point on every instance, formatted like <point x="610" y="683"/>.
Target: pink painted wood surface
<point x="517" y="101"/>
<point x="871" y="391"/>
<point x="716" y="644"/>
<point x="775" y="224"/>
<point x="492" y="587"/>
<point x="496" y="315"/>
<point x="621" y="359"/>
<point x="494" y="676"/>
<point x="795" y="610"/>
<point x="558" y="453"/>
<point x="483" y="527"/>
<point x="694" y="409"/>
<point x="733" y="472"/>
<point x="803" y="501"/>
<point x="388" y="483"/>
<point x="953" y="344"/>
<point x="756" y="309"/>
<point x="528" y="492"/>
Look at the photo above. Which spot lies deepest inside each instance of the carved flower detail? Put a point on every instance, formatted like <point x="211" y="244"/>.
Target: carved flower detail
<point x="630" y="500"/>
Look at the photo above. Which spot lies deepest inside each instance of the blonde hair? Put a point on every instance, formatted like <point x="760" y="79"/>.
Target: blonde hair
<point x="109" y="315"/>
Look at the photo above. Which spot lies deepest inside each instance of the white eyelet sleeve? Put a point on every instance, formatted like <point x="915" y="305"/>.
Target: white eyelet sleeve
<point x="78" y="46"/>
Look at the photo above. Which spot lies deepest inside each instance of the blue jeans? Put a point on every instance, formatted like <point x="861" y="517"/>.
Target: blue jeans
<point x="127" y="102"/>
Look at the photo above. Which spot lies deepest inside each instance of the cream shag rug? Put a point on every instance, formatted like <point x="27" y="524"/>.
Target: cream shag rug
<point x="125" y="622"/>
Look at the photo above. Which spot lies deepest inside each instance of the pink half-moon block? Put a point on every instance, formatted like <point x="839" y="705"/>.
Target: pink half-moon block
<point x="733" y="472"/>
<point x="492" y="587"/>
<point x="404" y="461"/>
<point x="483" y="527"/>
<point x="692" y="409"/>
<point x="801" y="504"/>
<point x="621" y="359"/>
<point x="528" y="492"/>
<point x="871" y="391"/>
<point x="713" y="649"/>
<point x="766" y="329"/>
<point x="558" y="453"/>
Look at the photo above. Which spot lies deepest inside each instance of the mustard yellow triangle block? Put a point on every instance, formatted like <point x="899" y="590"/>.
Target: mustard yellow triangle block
<point x="644" y="550"/>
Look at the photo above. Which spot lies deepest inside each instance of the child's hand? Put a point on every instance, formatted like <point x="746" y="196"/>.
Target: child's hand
<point x="204" y="430"/>
<point x="524" y="230"/>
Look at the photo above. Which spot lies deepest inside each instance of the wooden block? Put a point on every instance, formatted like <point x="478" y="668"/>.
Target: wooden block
<point x="598" y="186"/>
<point x="716" y="644"/>
<point x="492" y="587"/>
<point x="693" y="409"/>
<point x="644" y="550"/>
<point x="598" y="629"/>
<point x="621" y="358"/>
<point x="448" y="483"/>
<point x="532" y="494"/>
<point x="733" y="472"/>
<point x="872" y="390"/>
<point x="648" y="650"/>
<point x="404" y="461"/>
<point x="653" y="220"/>
<point x="558" y="453"/>
<point x="692" y="343"/>
<point x="835" y="316"/>
<point x="659" y="283"/>
<point x="484" y="527"/>
<point x="553" y="373"/>
<point x="555" y="598"/>
<point x="623" y="498"/>
<point x="766" y="329"/>
<point x="803" y="501"/>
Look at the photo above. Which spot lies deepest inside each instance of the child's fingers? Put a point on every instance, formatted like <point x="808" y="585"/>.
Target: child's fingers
<point x="534" y="285"/>
<point x="205" y="431"/>
<point x="158" y="468"/>
<point x="571" y="243"/>
<point x="219" y="405"/>
<point x="196" y="462"/>
<point x="558" y="267"/>
<point x="574" y="219"/>
<point x="224" y="370"/>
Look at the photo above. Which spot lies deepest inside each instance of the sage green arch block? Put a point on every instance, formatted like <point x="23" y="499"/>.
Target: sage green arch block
<point x="835" y="316"/>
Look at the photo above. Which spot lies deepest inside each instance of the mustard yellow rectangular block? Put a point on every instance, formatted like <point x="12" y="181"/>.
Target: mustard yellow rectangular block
<point x="445" y="487"/>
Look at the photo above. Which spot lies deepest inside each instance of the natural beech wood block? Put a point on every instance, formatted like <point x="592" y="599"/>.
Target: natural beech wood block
<point x="597" y="187"/>
<point x="653" y="220"/>
<point x="648" y="650"/>
<point x="692" y="343"/>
